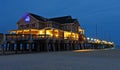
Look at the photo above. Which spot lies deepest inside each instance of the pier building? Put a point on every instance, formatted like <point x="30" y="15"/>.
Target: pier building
<point x="35" y="33"/>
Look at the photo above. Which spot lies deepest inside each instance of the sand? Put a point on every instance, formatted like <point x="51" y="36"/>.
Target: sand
<point x="69" y="60"/>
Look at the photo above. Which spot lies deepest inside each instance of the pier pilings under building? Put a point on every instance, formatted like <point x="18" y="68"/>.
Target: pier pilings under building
<point x="28" y="44"/>
<point x="18" y="44"/>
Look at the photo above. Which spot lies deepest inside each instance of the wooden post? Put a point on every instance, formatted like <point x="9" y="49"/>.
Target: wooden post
<point x="82" y="46"/>
<point x="77" y="45"/>
<point x="58" y="45"/>
<point x="2" y="49"/>
<point x="24" y="46"/>
<point x="6" y="46"/>
<point x="30" y="47"/>
<point x="38" y="46"/>
<point x="53" y="45"/>
<point x="16" y="51"/>
<point x="70" y="46"/>
<point x="46" y="45"/>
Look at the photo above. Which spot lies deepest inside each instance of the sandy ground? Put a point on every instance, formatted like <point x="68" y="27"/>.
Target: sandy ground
<point x="70" y="60"/>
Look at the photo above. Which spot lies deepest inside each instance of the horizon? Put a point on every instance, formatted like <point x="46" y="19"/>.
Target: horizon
<point x="104" y="14"/>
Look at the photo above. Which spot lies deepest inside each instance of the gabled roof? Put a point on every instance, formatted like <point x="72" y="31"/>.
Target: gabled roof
<point x="63" y="17"/>
<point x="38" y="17"/>
<point x="62" y="20"/>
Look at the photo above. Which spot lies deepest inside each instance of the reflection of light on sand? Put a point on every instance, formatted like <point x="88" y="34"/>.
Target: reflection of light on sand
<point x="109" y="48"/>
<point x="86" y="50"/>
<point x="91" y="50"/>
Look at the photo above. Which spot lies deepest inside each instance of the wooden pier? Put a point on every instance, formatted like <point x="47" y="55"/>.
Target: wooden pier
<point x="27" y="43"/>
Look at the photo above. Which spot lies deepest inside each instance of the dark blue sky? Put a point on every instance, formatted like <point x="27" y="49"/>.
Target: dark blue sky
<point x="104" y="13"/>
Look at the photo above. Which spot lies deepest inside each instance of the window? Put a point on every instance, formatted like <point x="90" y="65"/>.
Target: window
<point x="27" y="25"/>
<point x="33" y="25"/>
<point x="21" y="26"/>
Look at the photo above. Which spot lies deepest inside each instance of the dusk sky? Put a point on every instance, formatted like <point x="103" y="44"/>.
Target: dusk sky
<point x="103" y="13"/>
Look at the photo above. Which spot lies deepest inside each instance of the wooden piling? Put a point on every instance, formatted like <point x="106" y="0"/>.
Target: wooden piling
<point x="2" y="49"/>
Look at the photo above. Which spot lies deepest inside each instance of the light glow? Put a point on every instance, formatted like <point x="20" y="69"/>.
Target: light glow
<point x="88" y="38"/>
<point x="41" y="32"/>
<point x="27" y="18"/>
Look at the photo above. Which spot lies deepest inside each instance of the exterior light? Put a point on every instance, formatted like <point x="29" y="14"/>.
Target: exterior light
<point x="56" y="35"/>
<point x="92" y="39"/>
<point x="41" y="32"/>
<point x="88" y="38"/>
<point x="22" y="35"/>
<point x="95" y="39"/>
<point x="26" y="18"/>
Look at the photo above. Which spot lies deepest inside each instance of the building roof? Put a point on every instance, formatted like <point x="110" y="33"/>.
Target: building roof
<point x="38" y="17"/>
<point x="62" y="20"/>
<point x="63" y="17"/>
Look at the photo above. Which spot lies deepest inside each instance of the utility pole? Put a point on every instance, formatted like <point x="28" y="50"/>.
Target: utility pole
<point x="96" y="32"/>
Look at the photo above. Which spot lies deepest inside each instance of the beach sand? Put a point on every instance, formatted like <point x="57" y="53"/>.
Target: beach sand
<point x="66" y="60"/>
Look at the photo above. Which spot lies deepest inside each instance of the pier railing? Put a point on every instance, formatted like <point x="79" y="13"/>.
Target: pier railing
<point x="33" y="36"/>
<point x="25" y="36"/>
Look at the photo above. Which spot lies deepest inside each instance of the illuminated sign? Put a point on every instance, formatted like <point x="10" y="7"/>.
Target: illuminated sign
<point x="27" y="19"/>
